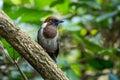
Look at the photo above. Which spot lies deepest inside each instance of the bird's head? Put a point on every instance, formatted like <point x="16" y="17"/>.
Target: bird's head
<point x="53" y="21"/>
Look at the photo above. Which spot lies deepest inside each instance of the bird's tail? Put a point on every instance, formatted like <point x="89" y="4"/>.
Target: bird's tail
<point x="52" y="56"/>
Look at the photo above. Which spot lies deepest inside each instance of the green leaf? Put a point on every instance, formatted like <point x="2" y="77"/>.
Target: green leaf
<point x="40" y="4"/>
<point x="26" y="14"/>
<point x="100" y="1"/>
<point x="87" y="4"/>
<point x="32" y="15"/>
<point x="106" y="16"/>
<point x="83" y="31"/>
<point x="88" y="44"/>
<point x="26" y="1"/>
<point x="63" y="7"/>
<point x="76" y="68"/>
<point x="16" y="2"/>
<point x="12" y="52"/>
<point x="71" y="75"/>
<point x="100" y="64"/>
<point x="92" y="46"/>
<point x="93" y="31"/>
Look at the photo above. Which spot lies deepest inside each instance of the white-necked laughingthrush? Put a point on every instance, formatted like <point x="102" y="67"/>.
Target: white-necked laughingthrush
<point x="48" y="36"/>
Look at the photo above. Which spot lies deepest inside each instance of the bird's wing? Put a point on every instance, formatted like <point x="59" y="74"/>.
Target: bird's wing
<point x="57" y="50"/>
<point x="38" y="36"/>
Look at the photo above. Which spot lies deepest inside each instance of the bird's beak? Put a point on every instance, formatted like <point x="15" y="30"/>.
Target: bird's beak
<point x="60" y="21"/>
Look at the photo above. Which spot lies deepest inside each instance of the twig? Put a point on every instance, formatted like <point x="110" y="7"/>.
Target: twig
<point x="21" y="72"/>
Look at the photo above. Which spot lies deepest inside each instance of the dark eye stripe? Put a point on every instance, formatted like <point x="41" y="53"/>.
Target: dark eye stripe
<point x="53" y="20"/>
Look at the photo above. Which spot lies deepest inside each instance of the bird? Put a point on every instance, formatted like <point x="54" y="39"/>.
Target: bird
<point x="48" y="36"/>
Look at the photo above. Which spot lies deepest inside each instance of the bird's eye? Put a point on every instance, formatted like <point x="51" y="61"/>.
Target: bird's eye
<point x="56" y="20"/>
<point x="53" y="20"/>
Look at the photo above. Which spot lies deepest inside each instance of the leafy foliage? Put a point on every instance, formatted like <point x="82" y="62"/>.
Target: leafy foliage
<point x="90" y="41"/>
<point x="12" y="52"/>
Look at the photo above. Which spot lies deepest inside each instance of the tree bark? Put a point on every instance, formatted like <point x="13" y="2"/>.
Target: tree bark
<point x="29" y="49"/>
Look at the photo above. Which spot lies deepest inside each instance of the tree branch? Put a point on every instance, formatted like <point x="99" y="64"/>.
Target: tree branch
<point x="29" y="49"/>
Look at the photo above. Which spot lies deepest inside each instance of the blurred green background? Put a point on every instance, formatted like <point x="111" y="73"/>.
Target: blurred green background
<point x="90" y="37"/>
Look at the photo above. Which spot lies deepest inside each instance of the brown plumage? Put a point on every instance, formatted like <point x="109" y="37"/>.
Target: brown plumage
<point x="50" y="18"/>
<point x="48" y="36"/>
<point x="50" y="31"/>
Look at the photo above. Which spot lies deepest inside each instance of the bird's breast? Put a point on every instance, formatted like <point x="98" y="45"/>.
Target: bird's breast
<point x="50" y="32"/>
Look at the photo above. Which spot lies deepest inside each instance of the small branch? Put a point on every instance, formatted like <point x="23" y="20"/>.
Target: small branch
<point x="21" y="72"/>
